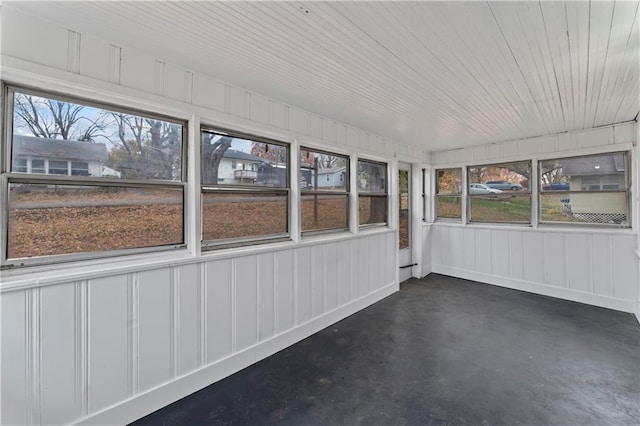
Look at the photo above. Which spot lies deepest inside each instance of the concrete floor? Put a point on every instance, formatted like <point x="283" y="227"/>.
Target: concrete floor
<point x="441" y="351"/>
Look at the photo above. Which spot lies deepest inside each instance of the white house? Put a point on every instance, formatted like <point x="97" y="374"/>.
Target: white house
<point x="57" y="157"/>
<point x="237" y="167"/>
<point x="598" y="173"/>
<point x="332" y="178"/>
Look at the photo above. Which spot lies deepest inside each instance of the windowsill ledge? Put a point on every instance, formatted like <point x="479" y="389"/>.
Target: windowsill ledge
<point x="547" y="228"/>
<point x="45" y="275"/>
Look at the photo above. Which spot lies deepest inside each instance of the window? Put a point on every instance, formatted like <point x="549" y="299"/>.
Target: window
<point x="243" y="205"/>
<point x="372" y="193"/>
<point x="588" y="190"/>
<point x="37" y="166"/>
<point x="499" y="193"/>
<point x="107" y="180"/>
<point x="324" y="201"/>
<point x="20" y="165"/>
<point x="57" y="167"/>
<point x="449" y="193"/>
<point x="79" y="168"/>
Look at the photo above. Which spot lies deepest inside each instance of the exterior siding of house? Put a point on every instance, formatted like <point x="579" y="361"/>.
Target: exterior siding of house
<point x="606" y="203"/>
<point x="331" y="180"/>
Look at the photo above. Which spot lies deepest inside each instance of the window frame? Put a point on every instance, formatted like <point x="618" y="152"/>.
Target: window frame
<point x="384" y="194"/>
<point x="601" y="183"/>
<point x="525" y="191"/>
<point x="324" y="193"/>
<point x="8" y="177"/>
<point x="452" y="195"/>
<point x="222" y="188"/>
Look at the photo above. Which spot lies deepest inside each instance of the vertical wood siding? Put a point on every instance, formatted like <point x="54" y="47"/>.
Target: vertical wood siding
<point x="73" y="349"/>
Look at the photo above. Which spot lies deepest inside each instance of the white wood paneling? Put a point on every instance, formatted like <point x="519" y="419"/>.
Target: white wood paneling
<point x="189" y="321"/>
<point x="345" y="277"/>
<point x="17" y="380"/>
<point x="246" y="302"/>
<point x="577" y="250"/>
<point x="304" y="290"/>
<point x="516" y="254"/>
<point x="219" y="303"/>
<point x="267" y="295"/>
<point x="554" y="259"/>
<point x="616" y="137"/>
<point x="74" y="349"/>
<point x="318" y="271"/>
<point x="155" y="322"/>
<point x="59" y="365"/>
<point x="94" y="58"/>
<point x="331" y="274"/>
<point x="208" y="92"/>
<point x="285" y="293"/>
<point x="598" y="268"/>
<point x="109" y="349"/>
<point x="455" y="74"/>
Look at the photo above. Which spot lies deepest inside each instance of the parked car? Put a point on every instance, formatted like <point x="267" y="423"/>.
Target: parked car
<point x="503" y="184"/>
<point x="479" y="188"/>
<point x="557" y="186"/>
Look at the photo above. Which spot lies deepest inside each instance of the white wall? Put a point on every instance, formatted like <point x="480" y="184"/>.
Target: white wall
<point x="110" y="341"/>
<point x="131" y="342"/>
<point x="590" y="265"/>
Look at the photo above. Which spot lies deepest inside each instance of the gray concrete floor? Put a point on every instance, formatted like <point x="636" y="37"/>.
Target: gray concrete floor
<point x="441" y="351"/>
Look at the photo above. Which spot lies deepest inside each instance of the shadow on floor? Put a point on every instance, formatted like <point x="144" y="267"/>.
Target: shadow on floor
<point x="440" y="351"/>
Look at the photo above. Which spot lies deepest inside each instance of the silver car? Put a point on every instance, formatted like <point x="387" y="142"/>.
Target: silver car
<point x="479" y="188"/>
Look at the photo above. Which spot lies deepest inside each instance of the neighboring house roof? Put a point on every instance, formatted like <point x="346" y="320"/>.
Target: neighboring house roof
<point x="609" y="164"/>
<point x="29" y="146"/>
<point x="331" y="170"/>
<point x="239" y="155"/>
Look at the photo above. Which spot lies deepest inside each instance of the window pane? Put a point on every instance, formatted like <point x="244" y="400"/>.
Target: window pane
<point x="323" y="171"/>
<point x="564" y="184"/>
<point x="79" y="168"/>
<point x="113" y="144"/>
<point x="449" y="181"/>
<point x="505" y="207"/>
<point x="242" y="215"/>
<point x="372" y="209"/>
<point x="501" y="177"/>
<point x="576" y="207"/>
<point x="20" y="165"/>
<point x="228" y="160"/>
<point x="449" y="207"/>
<point x="37" y="166"/>
<point x="372" y="177"/>
<point x="589" y="173"/>
<point x="323" y="212"/>
<point x="62" y="219"/>
<point x="58" y="167"/>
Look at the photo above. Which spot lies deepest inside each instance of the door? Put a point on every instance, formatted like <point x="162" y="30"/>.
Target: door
<point x="404" y="221"/>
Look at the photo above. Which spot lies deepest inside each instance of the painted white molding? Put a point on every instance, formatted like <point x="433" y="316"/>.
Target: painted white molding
<point x="538" y="288"/>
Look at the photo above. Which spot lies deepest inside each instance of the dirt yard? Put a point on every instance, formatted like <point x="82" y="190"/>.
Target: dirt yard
<point x="43" y="223"/>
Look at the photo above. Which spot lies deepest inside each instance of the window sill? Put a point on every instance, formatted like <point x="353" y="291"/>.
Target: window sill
<point x="52" y="274"/>
<point x="546" y="228"/>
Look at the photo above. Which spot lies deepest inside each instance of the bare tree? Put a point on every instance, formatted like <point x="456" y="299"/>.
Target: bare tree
<point x="213" y="149"/>
<point x="145" y="148"/>
<point x="54" y="119"/>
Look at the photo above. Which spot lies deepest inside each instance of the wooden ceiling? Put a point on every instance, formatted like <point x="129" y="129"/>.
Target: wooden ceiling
<point x="436" y="75"/>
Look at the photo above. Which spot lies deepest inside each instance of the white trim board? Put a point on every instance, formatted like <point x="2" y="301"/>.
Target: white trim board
<point x="537" y="288"/>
